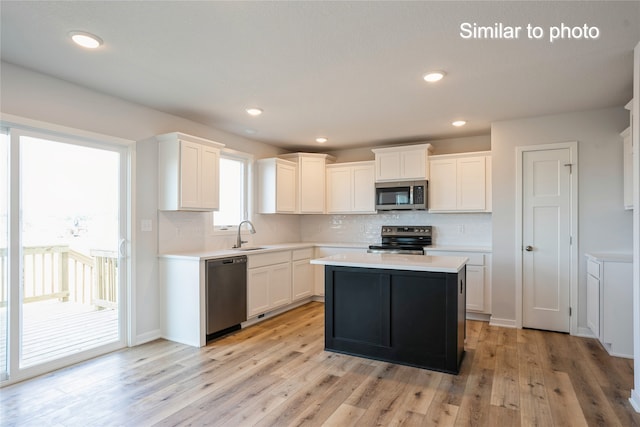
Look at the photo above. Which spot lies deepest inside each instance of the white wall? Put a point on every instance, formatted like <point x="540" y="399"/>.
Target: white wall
<point x="36" y="96"/>
<point x="603" y="223"/>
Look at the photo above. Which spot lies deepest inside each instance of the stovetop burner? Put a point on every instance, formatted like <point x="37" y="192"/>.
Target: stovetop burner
<point x="403" y="239"/>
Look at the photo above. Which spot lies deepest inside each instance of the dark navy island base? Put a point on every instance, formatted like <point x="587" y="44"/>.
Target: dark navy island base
<point x="412" y="318"/>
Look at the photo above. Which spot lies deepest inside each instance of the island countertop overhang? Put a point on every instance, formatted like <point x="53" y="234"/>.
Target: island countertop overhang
<point x="442" y="264"/>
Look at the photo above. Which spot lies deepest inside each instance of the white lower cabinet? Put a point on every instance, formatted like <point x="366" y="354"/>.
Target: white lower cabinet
<point x="609" y="302"/>
<point x="593" y="304"/>
<point x="478" y="279"/>
<point x="475" y="287"/>
<point x="268" y="282"/>
<point x="302" y="285"/>
<point x="182" y="300"/>
<point x="277" y="279"/>
<point x="258" y="290"/>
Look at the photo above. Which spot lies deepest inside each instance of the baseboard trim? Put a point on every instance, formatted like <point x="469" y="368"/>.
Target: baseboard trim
<point x="483" y="317"/>
<point x="148" y="337"/>
<point x="505" y="323"/>
<point x="584" y="332"/>
<point x="276" y="312"/>
<point x="635" y="400"/>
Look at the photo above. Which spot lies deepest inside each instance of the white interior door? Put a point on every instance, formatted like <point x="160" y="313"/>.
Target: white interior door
<point x="546" y="239"/>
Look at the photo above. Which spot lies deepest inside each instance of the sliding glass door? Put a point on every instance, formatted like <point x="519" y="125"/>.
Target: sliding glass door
<point x="67" y="264"/>
<point x="4" y="241"/>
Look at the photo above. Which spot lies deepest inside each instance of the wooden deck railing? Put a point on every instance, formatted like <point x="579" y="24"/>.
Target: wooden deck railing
<point x="62" y="273"/>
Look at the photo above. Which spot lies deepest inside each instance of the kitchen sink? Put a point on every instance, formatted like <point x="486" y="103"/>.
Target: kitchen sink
<point x="250" y="248"/>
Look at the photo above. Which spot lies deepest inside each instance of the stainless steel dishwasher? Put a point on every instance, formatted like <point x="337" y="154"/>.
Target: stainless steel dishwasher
<point x="226" y="295"/>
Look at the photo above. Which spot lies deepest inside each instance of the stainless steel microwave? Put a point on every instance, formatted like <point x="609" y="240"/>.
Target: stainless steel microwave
<point x="403" y="195"/>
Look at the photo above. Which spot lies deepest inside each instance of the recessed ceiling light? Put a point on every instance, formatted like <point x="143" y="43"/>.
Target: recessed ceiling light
<point x="321" y="140"/>
<point x="254" y="111"/>
<point x="459" y="123"/>
<point x="84" y="39"/>
<point x="433" y="76"/>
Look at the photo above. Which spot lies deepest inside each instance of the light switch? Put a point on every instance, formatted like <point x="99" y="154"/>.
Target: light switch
<point x="145" y="225"/>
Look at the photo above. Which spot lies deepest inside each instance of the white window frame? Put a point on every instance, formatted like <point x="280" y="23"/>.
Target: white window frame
<point x="248" y="190"/>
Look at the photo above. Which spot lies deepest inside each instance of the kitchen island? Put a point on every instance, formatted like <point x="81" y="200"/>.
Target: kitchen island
<point x="407" y="309"/>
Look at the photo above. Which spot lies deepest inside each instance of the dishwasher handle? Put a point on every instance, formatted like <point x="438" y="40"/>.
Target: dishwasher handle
<point x="231" y="260"/>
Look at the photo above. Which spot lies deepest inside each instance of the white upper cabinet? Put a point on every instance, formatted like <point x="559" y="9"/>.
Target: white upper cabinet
<point x="410" y="162"/>
<point x="364" y="187"/>
<point x="188" y="173"/>
<point x="351" y="188"/>
<point x="442" y="185"/>
<point x="339" y="189"/>
<point x="460" y="182"/>
<point x="277" y="181"/>
<point x="310" y="181"/>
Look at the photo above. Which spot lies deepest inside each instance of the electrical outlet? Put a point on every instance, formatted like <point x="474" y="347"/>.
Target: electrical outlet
<point x="461" y="229"/>
<point x="146" y="225"/>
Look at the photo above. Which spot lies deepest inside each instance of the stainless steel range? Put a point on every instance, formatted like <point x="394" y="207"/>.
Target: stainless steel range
<point x="400" y="239"/>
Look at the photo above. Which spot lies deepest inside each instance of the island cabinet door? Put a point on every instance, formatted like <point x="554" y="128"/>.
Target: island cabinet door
<point x="359" y="300"/>
<point x="420" y="337"/>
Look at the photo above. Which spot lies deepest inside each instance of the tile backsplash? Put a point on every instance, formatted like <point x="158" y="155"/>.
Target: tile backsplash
<point x="193" y="231"/>
<point x="468" y="229"/>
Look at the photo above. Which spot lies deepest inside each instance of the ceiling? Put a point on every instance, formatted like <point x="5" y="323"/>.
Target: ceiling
<point x="350" y="71"/>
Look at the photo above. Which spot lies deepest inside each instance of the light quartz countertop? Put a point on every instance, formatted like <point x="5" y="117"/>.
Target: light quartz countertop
<point x="610" y="256"/>
<point x="246" y="250"/>
<point x="440" y="264"/>
<point x="258" y="249"/>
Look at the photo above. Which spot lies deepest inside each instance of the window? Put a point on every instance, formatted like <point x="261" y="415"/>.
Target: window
<point x="234" y="189"/>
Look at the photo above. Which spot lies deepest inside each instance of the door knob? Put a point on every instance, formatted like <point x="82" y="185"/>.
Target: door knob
<point x="528" y="248"/>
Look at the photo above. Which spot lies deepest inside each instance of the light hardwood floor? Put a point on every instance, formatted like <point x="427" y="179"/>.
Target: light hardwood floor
<point x="276" y="373"/>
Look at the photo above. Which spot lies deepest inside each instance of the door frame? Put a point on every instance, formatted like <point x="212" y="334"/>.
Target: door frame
<point x="573" y="285"/>
<point x="26" y="126"/>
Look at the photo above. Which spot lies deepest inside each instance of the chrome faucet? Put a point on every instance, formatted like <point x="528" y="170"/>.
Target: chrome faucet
<point x="239" y="241"/>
